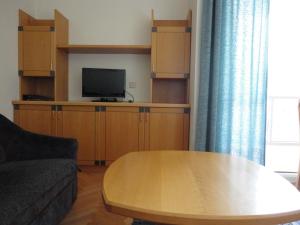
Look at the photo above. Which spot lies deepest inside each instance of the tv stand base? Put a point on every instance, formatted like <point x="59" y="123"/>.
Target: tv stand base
<point x="106" y="100"/>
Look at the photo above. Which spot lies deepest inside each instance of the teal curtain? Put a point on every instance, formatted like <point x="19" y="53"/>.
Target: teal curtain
<point x="231" y="116"/>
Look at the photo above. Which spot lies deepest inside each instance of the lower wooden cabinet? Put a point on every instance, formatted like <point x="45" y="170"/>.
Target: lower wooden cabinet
<point x="124" y="131"/>
<point x="105" y="133"/>
<point x="39" y="119"/>
<point x="79" y="123"/>
<point x="167" y="129"/>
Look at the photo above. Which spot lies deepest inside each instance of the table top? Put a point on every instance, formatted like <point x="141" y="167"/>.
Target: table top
<point x="188" y="187"/>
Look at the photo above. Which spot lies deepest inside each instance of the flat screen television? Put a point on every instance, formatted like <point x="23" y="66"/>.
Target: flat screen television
<point x="103" y="83"/>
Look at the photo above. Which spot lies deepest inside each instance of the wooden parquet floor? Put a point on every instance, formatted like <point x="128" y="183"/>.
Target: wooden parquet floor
<point x="89" y="209"/>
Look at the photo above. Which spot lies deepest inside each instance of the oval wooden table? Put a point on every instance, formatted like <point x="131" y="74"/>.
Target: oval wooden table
<point x="187" y="187"/>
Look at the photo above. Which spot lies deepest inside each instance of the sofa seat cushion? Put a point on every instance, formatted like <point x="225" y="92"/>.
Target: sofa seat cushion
<point x="27" y="187"/>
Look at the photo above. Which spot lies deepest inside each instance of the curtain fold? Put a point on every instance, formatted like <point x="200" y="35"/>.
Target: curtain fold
<point x="231" y="116"/>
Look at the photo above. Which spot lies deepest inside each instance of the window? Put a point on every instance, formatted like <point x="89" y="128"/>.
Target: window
<point x="283" y="145"/>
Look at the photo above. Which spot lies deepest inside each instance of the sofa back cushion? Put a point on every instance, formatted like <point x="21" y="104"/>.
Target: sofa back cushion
<point x="2" y="155"/>
<point x="8" y="131"/>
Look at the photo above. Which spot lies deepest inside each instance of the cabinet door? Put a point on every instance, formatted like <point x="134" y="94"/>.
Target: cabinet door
<point x="37" y="119"/>
<point x="170" y="52"/>
<point x="36" y="50"/>
<point x="167" y="129"/>
<point x="79" y="122"/>
<point x="124" y="131"/>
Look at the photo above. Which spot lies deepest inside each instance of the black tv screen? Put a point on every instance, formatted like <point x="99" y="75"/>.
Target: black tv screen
<point x="103" y="82"/>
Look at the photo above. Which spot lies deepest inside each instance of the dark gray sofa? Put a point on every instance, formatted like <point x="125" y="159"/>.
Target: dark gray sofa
<point x="38" y="176"/>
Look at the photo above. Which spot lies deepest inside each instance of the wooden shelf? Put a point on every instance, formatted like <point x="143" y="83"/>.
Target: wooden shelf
<point x="116" y="104"/>
<point x="106" y="49"/>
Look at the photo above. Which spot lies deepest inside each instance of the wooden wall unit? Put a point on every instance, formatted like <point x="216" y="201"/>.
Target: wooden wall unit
<point x="43" y="69"/>
<point x="106" y="131"/>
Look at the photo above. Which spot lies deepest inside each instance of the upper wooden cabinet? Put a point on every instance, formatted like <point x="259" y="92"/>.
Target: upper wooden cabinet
<point x="170" y="60"/>
<point x="36" y="50"/>
<point x="43" y="69"/>
<point x="170" y="52"/>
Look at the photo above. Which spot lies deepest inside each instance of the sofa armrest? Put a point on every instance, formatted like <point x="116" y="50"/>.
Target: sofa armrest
<point x="28" y="146"/>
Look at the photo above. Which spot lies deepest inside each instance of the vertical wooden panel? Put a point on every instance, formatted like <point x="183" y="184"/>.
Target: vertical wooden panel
<point x="61" y="28"/>
<point x="141" y="140"/>
<point x="62" y="60"/>
<point x="186" y="131"/>
<point x="153" y="51"/>
<point x="122" y="133"/>
<point x="100" y="135"/>
<point x="167" y="129"/>
<point x="81" y="126"/>
<point x="61" y="79"/>
<point x="20" y="50"/>
<point x="147" y="132"/>
<point x="187" y="53"/>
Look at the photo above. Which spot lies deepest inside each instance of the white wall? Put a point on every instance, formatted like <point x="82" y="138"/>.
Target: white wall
<point x="112" y="22"/>
<point x="9" y="81"/>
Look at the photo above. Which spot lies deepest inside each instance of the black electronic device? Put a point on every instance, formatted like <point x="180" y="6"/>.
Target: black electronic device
<point x="107" y="84"/>
<point x="36" y="98"/>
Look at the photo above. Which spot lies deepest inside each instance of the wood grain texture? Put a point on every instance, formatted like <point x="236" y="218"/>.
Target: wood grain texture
<point x="61" y="79"/>
<point x="177" y="187"/>
<point x="166" y="130"/>
<point x="105" y="49"/>
<point x="100" y="135"/>
<point x="175" y="23"/>
<point x="81" y="126"/>
<point x="122" y="131"/>
<point x="88" y="208"/>
<point x="37" y="45"/>
<point x="169" y="91"/>
<point x="62" y="57"/>
<point x="170" y="53"/>
<point x="37" y="85"/>
<point x="26" y="118"/>
<point x="24" y="18"/>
